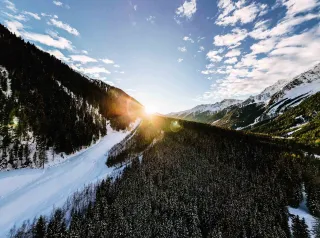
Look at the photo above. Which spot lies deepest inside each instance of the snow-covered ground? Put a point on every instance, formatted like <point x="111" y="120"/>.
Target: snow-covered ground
<point x="27" y="193"/>
<point x="303" y="212"/>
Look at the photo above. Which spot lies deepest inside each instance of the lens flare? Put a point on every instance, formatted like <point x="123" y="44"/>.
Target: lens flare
<point x="150" y="110"/>
<point x="175" y="126"/>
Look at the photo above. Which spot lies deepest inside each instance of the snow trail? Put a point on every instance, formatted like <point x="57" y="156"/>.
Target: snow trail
<point x="27" y="193"/>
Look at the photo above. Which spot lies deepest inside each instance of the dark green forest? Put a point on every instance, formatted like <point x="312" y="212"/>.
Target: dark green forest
<point x="189" y="179"/>
<point x="44" y="102"/>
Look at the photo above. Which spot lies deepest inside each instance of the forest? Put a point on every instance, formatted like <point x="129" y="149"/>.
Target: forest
<point x="189" y="179"/>
<point x="44" y="104"/>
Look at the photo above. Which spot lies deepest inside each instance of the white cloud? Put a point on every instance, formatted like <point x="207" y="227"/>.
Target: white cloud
<point x="263" y="46"/>
<point x="231" y="39"/>
<point x="201" y="49"/>
<point x="180" y="60"/>
<point x="18" y="17"/>
<point x="57" y="3"/>
<point x="135" y="7"/>
<point x="289" y="56"/>
<point x="210" y="66"/>
<point x="14" y="27"/>
<point x="214" y="55"/>
<point x="64" y="26"/>
<point x="10" y="5"/>
<point x="200" y="38"/>
<point x="59" y="42"/>
<point x="187" y="9"/>
<point x="232" y="13"/>
<point x="233" y="53"/>
<point x="107" y="61"/>
<point x="34" y="15"/>
<point x="93" y="70"/>
<point x="298" y="6"/>
<point x="52" y="40"/>
<point x="116" y="66"/>
<point x="187" y="38"/>
<point x="82" y="59"/>
<point x="232" y="60"/>
<point x="60" y="4"/>
<point x="182" y="49"/>
<point x="206" y="72"/>
<point x="84" y="52"/>
<point x="282" y="28"/>
<point x="151" y="19"/>
<point x="58" y="54"/>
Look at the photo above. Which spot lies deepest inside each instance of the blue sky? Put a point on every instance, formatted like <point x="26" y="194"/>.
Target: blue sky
<point x="174" y="54"/>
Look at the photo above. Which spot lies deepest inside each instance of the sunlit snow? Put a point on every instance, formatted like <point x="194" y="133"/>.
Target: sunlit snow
<point x="27" y="193"/>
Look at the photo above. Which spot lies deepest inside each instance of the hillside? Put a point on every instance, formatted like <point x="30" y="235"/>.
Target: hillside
<point x="301" y="122"/>
<point x="47" y="109"/>
<point x="207" y="113"/>
<point x="190" y="180"/>
<point x="271" y="103"/>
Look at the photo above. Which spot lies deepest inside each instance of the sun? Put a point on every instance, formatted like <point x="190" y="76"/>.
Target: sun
<point x="150" y="109"/>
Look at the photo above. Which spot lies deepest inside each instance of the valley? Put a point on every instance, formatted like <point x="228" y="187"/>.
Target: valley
<point x="85" y="153"/>
<point x="25" y="193"/>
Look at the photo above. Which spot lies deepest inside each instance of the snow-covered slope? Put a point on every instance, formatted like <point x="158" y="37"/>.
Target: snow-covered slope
<point x="27" y="193"/>
<point x="265" y="96"/>
<point x="270" y="103"/>
<point x="294" y="92"/>
<point x="210" y="108"/>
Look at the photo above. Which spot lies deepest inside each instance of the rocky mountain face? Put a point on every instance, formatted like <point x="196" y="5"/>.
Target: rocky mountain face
<point x="207" y="112"/>
<point x="268" y="105"/>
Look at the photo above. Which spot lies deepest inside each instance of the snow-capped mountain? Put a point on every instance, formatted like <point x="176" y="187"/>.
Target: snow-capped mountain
<point x="207" y="108"/>
<point x="270" y="103"/>
<point x="295" y="91"/>
<point x="265" y="96"/>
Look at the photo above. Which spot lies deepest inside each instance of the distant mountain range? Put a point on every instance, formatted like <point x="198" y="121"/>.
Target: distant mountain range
<point x="267" y="106"/>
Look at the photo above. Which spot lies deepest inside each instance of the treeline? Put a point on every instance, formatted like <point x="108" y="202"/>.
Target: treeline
<point x="44" y="103"/>
<point x="194" y="181"/>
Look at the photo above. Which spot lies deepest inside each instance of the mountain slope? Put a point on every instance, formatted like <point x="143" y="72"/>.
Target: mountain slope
<point x="192" y="180"/>
<point x="269" y="104"/>
<point x="207" y="112"/>
<point x="47" y="108"/>
<point x="27" y="193"/>
<point x="301" y="122"/>
<point x="294" y="92"/>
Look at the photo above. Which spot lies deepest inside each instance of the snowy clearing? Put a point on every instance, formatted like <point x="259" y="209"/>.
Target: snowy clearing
<point x="303" y="212"/>
<point x="27" y="193"/>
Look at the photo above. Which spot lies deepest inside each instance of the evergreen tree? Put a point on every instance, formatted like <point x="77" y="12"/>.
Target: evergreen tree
<point x="316" y="228"/>
<point x="299" y="228"/>
<point x="39" y="229"/>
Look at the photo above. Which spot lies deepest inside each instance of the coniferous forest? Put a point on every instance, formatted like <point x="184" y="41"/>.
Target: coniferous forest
<point x="45" y="104"/>
<point x="191" y="180"/>
<point x="171" y="178"/>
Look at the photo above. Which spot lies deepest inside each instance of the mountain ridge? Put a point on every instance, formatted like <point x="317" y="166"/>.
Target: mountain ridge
<point x="48" y="110"/>
<point x="270" y="103"/>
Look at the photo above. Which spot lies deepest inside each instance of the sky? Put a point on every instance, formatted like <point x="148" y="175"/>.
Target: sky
<point x="172" y="55"/>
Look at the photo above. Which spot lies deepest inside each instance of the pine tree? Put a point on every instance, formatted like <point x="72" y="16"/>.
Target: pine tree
<point x="57" y="225"/>
<point x="42" y="156"/>
<point x="39" y="230"/>
<point x="299" y="228"/>
<point x="316" y="228"/>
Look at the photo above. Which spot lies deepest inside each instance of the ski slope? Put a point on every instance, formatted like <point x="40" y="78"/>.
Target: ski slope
<point x="27" y="193"/>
